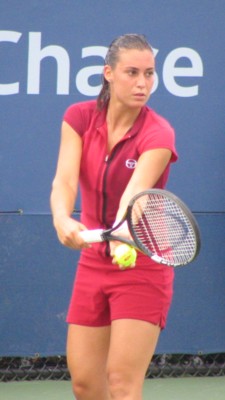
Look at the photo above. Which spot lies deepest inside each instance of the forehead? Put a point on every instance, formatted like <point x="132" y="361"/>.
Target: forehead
<point x="136" y="58"/>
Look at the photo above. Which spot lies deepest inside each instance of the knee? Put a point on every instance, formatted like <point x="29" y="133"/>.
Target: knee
<point x="80" y="388"/>
<point x="90" y="386"/>
<point x="120" y="386"/>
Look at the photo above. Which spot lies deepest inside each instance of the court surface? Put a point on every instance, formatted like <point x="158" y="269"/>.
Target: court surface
<point x="206" y="388"/>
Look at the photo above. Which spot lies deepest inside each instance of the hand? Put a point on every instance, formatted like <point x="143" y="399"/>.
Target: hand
<point x="68" y="230"/>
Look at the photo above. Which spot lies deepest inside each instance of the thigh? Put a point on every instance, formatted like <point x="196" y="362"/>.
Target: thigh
<point x="87" y="350"/>
<point x="132" y="346"/>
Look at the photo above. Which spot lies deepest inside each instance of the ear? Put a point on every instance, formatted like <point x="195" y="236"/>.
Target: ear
<point x="107" y="72"/>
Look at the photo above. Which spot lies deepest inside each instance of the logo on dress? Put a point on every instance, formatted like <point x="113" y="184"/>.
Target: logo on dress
<point x="130" y="163"/>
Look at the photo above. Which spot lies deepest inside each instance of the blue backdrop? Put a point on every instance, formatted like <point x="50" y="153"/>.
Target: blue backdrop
<point x="51" y="55"/>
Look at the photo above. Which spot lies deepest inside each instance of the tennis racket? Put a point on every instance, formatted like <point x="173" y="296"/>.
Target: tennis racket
<point x="161" y="226"/>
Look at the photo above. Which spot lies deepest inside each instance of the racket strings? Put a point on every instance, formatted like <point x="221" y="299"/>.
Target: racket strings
<point x="163" y="228"/>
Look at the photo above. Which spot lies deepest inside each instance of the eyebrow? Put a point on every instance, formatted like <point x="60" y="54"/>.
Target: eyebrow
<point x="135" y="68"/>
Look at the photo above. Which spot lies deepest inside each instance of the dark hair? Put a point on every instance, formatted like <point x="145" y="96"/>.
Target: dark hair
<point x="127" y="41"/>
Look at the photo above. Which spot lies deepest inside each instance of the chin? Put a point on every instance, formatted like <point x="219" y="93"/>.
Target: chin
<point x="137" y="104"/>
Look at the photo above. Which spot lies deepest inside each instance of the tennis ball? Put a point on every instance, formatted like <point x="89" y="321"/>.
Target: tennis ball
<point x="125" y="256"/>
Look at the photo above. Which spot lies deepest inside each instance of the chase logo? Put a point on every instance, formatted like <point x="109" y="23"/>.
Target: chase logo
<point x="173" y="66"/>
<point x="130" y="163"/>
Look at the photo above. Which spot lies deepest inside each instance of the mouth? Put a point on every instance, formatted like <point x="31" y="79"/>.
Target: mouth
<point x="139" y="95"/>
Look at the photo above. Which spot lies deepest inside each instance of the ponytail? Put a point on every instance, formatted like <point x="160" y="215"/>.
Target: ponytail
<point x="104" y="95"/>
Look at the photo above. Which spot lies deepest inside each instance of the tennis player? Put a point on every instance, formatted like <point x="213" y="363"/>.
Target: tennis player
<point x="113" y="148"/>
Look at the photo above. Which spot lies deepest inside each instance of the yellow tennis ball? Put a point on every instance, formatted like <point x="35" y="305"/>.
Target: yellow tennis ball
<point x="125" y="255"/>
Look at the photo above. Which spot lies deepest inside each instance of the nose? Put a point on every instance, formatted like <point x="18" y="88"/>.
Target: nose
<point x="141" y="81"/>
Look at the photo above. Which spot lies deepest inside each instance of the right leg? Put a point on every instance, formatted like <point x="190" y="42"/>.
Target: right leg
<point x="87" y="352"/>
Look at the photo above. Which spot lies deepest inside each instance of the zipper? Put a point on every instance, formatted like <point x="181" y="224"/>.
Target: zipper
<point x="108" y="160"/>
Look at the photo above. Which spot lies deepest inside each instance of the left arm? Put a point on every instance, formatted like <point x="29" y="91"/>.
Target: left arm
<point x="149" y="168"/>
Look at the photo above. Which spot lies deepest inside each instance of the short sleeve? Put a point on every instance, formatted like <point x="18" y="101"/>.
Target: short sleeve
<point x="158" y="134"/>
<point x="73" y="117"/>
<point x="79" y="116"/>
<point x="163" y="138"/>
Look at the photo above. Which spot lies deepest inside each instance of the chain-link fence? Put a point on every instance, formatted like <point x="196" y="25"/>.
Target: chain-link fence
<point x="164" y="365"/>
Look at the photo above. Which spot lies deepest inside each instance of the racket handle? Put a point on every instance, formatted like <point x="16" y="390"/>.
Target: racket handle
<point x="92" y="236"/>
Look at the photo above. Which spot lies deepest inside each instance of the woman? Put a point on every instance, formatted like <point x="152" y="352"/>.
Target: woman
<point x="114" y="148"/>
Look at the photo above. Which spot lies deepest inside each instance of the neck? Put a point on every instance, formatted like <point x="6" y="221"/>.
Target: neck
<point x="121" y="117"/>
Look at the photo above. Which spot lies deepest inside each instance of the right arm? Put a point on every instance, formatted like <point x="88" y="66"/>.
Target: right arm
<point x="65" y="187"/>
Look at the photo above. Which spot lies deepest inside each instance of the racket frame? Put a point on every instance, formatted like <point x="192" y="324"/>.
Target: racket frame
<point x="100" y="235"/>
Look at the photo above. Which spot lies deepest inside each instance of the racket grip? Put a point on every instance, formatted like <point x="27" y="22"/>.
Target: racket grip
<point x="92" y="236"/>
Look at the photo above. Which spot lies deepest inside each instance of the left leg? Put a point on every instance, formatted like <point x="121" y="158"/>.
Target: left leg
<point x="132" y="345"/>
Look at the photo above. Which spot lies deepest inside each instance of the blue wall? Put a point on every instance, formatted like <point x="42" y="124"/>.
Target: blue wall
<point x="51" y="55"/>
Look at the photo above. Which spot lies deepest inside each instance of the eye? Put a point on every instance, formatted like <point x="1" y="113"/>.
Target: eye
<point x="132" y="72"/>
<point x="149" y="73"/>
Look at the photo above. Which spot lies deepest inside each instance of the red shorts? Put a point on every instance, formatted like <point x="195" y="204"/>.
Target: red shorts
<point x="103" y="293"/>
